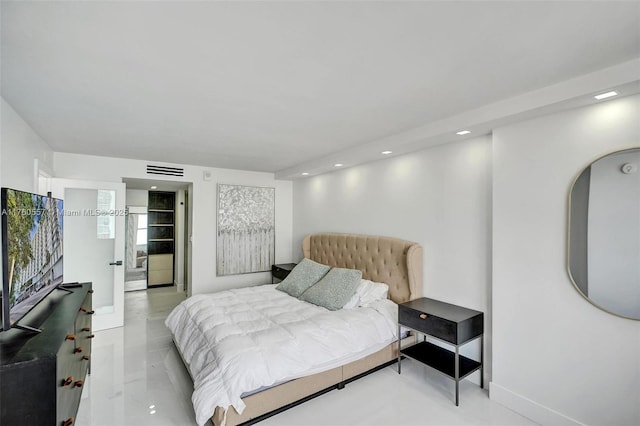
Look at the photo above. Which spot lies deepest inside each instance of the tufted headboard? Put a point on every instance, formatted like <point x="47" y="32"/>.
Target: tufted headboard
<point x="392" y="261"/>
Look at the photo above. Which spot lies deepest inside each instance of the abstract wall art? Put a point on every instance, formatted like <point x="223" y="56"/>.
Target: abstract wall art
<point x="246" y="229"/>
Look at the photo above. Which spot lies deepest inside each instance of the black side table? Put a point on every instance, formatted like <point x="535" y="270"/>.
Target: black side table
<point x="447" y="323"/>
<point x="281" y="270"/>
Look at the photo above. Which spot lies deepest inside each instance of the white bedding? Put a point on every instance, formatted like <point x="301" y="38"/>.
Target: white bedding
<point x="239" y="340"/>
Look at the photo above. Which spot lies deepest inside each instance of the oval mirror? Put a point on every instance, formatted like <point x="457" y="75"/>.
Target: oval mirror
<point x="604" y="233"/>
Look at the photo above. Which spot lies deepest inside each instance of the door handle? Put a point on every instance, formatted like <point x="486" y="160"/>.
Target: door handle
<point x="116" y="263"/>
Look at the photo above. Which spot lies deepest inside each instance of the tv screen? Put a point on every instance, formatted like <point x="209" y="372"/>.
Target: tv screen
<point x="31" y="251"/>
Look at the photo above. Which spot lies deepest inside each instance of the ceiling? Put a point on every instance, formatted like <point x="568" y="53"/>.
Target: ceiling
<point x="287" y="87"/>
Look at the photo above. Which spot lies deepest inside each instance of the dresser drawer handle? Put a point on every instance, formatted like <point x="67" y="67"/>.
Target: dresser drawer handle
<point x="423" y="316"/>
<point x="78" y="383"/>
<point x="91" y="336"/>
<point x="90" y="291"/>
<point x="68" y="422"/>
<point x="86" y="357"/>
<point x="67" y="381"/>
<point x="85" y="329"/>
<point x="70" y="337"/>
<point x="78" y="350"/>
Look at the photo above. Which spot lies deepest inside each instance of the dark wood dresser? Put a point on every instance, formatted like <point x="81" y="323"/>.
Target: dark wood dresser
<point x="42" y="374"/>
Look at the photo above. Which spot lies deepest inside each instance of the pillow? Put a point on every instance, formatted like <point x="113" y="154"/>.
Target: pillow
<point x="302" y="276"/>
<point x="373" y="291"/>
<point x="366" y="293"/>
<point x="334" y="289"/>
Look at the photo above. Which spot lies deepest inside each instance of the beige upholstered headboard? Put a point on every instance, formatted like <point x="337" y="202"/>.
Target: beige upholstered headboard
<point x="392" y="261"/>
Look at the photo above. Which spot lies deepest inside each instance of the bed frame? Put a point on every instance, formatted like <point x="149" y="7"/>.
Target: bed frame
<point x="395" y="262"/>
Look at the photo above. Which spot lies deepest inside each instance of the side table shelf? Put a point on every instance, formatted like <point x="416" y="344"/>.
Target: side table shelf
<point x="450" y="324"/>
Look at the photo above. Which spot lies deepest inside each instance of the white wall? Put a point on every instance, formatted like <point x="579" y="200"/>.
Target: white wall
<point x="556" y="358"/>
<point x="440" y="198"/>
<point x="20" y="145"/>
<point x="203" y="207"/>
<point x="137" y="197"/>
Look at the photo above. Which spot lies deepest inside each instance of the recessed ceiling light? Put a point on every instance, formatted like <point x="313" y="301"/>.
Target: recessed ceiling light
<point x="154" y="187"/>
<point x="386" y="152"/>
<point x="305" y="174"/>
<point x="463" y="132"/>
<point x="606" y="95"/>
<point x="338" y="165"/>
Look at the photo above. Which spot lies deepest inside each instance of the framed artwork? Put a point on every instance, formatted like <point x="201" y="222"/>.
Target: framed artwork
<point x="246" y="229"/>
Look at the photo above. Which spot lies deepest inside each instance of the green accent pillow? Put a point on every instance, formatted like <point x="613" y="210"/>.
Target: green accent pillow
<point x="335" y="289"/>
<point x="302" y="276"/>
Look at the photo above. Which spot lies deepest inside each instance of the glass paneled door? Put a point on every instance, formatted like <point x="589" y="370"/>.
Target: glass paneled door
<point x="94" y="225"/>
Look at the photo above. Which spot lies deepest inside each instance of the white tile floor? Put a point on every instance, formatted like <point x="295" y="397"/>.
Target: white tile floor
<point x="138" y="379"/>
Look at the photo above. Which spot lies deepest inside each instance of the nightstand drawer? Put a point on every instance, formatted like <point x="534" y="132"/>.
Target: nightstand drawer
<point x="451" y="323"/>
<point x="428" y="324"/>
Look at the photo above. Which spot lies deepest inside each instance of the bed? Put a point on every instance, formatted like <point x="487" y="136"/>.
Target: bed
<point x="395" y="262"/>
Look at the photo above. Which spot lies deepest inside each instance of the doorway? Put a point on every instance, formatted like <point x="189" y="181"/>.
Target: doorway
<point x="156" y="253"/>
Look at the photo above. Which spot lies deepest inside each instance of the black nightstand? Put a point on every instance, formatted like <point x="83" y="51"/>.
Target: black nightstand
<point x="281" y="270"/>
<point x="447" y="323"/>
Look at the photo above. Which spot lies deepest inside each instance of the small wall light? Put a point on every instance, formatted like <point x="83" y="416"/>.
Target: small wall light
<point x="605" y="95"/>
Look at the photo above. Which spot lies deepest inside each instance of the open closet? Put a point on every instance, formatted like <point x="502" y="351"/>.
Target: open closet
<point x="156" y="244"/>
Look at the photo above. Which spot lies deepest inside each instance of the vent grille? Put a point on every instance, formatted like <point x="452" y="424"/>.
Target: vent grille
<point x="164" y="170"/>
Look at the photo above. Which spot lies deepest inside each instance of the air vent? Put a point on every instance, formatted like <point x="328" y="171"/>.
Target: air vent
<point x="164" y="170"/>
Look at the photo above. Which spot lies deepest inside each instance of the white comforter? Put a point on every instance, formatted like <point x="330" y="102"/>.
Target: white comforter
<point x="239" y="340"/>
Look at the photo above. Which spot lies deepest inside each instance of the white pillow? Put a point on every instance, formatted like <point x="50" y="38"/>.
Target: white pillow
<point x="366" y="293"/>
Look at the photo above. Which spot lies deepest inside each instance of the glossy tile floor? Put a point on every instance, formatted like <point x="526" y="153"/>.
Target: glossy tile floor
<point x="138" y="379"/>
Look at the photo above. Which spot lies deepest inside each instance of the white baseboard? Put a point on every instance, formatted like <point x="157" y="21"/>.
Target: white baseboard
<point x="528" y="408"/>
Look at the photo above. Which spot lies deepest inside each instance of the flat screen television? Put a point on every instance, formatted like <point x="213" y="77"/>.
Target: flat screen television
<point x="31" y="251"/>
